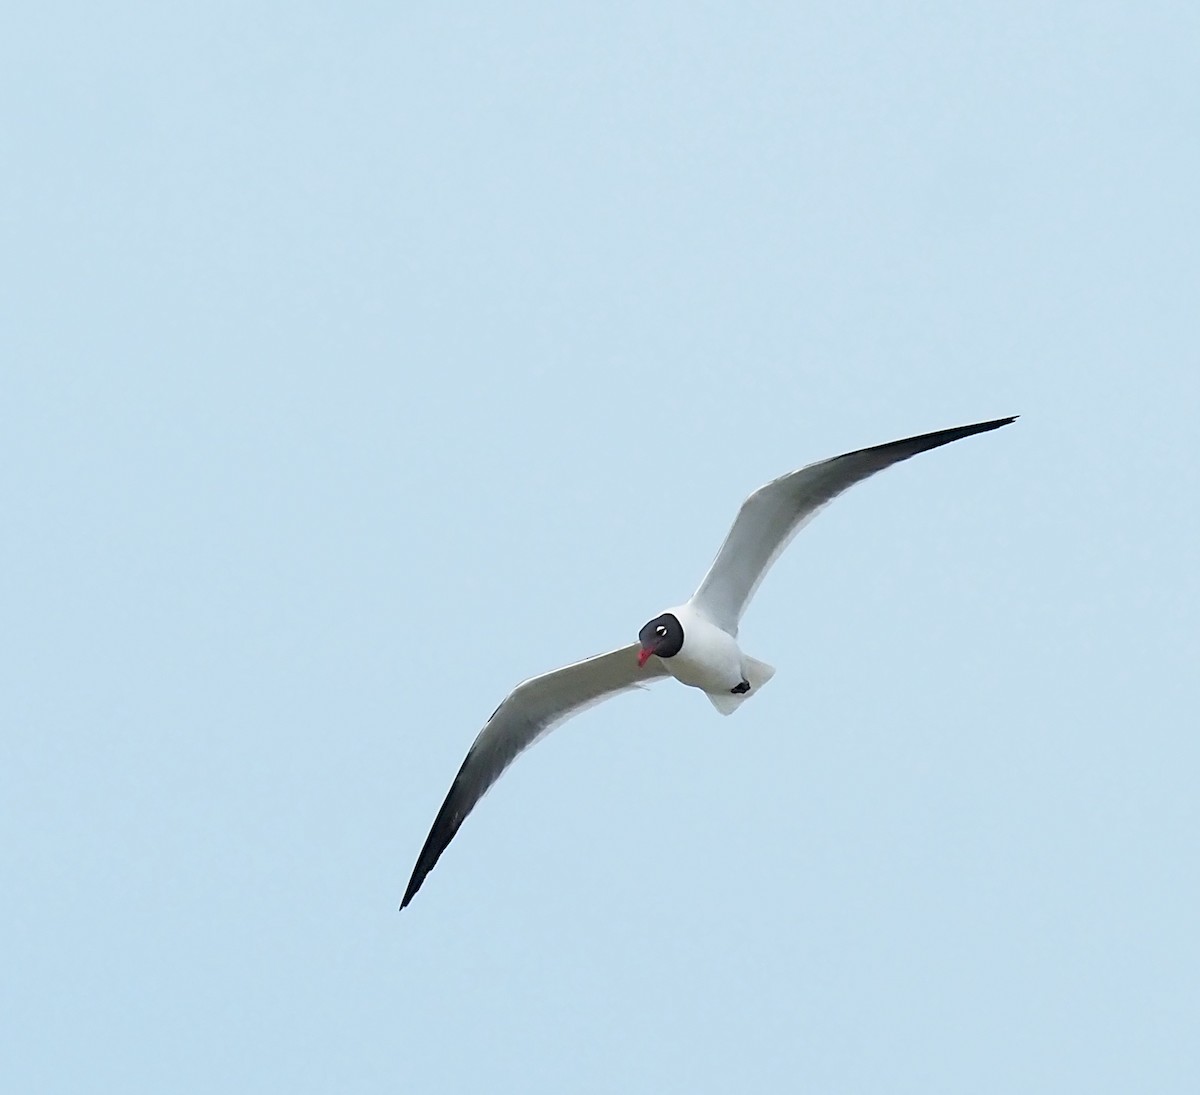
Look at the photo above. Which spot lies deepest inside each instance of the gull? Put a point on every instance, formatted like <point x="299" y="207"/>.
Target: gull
<point x="696" y="642"/>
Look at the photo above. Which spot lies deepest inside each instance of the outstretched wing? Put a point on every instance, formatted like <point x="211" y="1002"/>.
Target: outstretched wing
<point x="529" y="712"/>
<point x="773" y="514"/>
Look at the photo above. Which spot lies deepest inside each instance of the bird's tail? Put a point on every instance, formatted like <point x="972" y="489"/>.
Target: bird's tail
<point x="756" y="672"/>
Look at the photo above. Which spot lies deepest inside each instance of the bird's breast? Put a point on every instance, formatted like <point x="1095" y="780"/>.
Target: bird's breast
<point x="709" y="658"/>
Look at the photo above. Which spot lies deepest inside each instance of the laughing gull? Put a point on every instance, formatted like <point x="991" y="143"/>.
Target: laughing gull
<point x="695" y="643"/>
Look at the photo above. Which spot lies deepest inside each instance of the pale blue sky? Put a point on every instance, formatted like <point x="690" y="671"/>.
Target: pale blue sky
<point x="357" y="361"/>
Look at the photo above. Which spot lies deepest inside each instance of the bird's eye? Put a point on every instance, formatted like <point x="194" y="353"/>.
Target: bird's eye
<point x="660" y="630"/>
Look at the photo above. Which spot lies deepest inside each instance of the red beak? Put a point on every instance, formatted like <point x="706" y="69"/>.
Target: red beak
<point x="643" y="656"/>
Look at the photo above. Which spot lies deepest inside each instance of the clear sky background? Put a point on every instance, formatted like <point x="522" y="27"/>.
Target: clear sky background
<point x="359" y="360"/>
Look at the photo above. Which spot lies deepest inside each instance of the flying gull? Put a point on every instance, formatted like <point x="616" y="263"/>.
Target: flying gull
<point x="696" y="643"/>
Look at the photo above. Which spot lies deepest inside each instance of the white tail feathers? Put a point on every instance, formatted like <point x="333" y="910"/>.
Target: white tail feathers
<point x="756" y="672"/>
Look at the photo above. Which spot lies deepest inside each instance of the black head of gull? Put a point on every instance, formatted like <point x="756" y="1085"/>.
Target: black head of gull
<point x="662" y="636"/>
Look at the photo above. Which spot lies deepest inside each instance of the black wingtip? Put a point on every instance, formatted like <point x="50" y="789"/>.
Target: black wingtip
<point x="410" y="893"/>
<point x="893" y="451"/>
<point x="995" y="424"/>
<point x="445" y="825"/>
<point x="413" y="886"/>
<point x="978" y="427"/>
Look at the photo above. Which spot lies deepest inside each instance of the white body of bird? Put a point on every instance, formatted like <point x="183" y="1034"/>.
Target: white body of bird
<point x="711" y="660"/>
